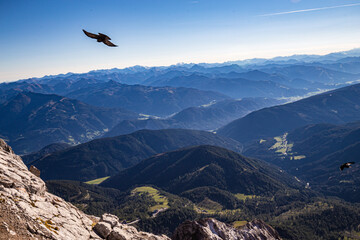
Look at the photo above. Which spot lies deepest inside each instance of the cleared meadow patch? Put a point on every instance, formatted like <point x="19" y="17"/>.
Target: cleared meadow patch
<point x="161" y="200"/>
<point x="243" y="197"/>
<point x="97" y="181"/>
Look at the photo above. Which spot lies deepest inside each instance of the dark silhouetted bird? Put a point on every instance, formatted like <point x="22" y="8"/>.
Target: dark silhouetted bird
<point x="346" y="165"/>
<point x="100" y="38"/>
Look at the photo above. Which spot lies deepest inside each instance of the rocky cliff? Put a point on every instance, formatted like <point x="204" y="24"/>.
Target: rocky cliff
<point x="28" y="211"/>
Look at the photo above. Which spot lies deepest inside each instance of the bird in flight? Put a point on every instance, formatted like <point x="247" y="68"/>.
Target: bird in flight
<point x="346" y="165"/>
<point x="100" y="38"/>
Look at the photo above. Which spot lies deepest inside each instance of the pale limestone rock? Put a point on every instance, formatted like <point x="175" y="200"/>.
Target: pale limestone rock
<point x="24" y="196"/>
<point x="111" y="219"/>
<point x="122" y="231"/>
<point x="259" y="230"/>
<point x="211" y="229"/>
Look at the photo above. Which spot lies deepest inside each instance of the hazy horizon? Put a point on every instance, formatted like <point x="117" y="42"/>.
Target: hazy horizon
<point x="179" y="63"/>
<point x="45" y="38"/>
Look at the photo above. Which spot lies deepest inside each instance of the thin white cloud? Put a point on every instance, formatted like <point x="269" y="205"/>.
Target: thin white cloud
<point x="309" y="10"/>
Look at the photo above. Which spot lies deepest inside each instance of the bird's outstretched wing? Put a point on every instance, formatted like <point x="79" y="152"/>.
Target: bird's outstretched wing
<point x="91" y="35"/>
<point x="104" y="36"/>
<point x="110" y="44"/>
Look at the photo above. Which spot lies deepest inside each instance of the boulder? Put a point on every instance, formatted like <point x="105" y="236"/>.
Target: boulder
<point x="111" y="219"/>
<point x="110" y="228"/>
<point x="103" y="229"/>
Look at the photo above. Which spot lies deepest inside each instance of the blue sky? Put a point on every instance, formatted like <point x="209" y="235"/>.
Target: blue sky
<point x="42" y="37"/>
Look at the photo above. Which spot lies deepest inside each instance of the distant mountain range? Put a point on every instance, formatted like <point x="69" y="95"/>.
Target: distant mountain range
<point x="278" y="80"/>
<point x="179" y="105"/>
<point x="31" y="121"/>
<point x="140" y="74"/>
<point x="349" y="65"/>
<point x="208" y="117"/>
<point x="160" y="101"/>
<point x="313" y="74"/>
<point x="304" y="58"/>
<point x="337" y="107"/>
<point x="282" y="76"/>
<point x="233" y="87"/>
<point x="10" y="90"/>
<point x="108" y="156"/>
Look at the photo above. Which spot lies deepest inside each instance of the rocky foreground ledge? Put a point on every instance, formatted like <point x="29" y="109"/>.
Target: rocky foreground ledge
<point x="212" y="229"/>
<point x="28" y="211"/>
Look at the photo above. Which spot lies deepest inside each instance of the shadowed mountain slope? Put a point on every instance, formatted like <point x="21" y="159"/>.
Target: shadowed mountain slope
<point x="108" y="156"/>
<point x="161" y="101"/>
<point x="314" y="74"/>
<point x="31" y="121"/>
<point x="337" y="107"/>
<point x="200" y="166"/>
<point x="201" y="118"/>
<point x="45" y="151"/>
<point x="315" y="153"/>
<point x="233" y="87"/>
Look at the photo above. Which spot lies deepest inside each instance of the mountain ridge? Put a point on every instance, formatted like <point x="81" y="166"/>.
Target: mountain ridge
<point x="321" y="149"/>
<point x="198" y="166"/>
<point x="208" y="117"/>
<point x="107" y="156"/>
<point x="33" y="120"/>
<point x="336" y="107"/>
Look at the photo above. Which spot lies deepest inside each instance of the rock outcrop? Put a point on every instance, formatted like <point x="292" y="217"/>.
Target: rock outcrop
<point x="109" y="228"/>
<point x="211" y="229"/>
<point x="28" y="211"/>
